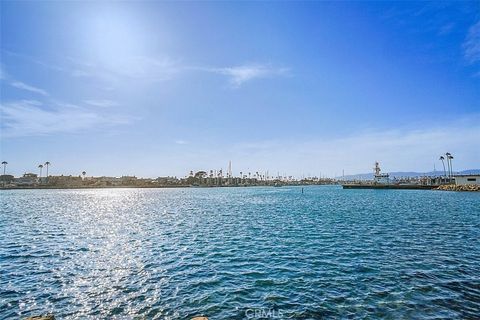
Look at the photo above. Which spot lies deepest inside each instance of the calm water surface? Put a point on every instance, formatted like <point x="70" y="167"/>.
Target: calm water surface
<point x="237" y="253"/>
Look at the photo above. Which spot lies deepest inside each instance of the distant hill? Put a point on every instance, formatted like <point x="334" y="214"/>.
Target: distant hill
<point x="369" y="176"/>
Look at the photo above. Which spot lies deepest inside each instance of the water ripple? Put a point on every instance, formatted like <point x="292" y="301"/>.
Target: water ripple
<point x="228" y="252"/>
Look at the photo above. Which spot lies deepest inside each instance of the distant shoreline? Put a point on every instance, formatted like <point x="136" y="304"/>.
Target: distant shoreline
<point x="442" y="188"/>
<point x="92" y="187"/>
<point x="154" y="187"/>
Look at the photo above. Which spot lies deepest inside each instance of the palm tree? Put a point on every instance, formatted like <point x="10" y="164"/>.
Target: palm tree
<point x="448" y="154"/>
<point x="442" y="158"/>
<point x="41" y="167"/>
<point x="450" y="158"/>
<point x="46" y="165"/>
<point x="4" y="164"/>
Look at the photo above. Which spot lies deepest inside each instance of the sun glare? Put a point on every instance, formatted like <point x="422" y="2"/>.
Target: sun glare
<point x="113" y="39"/>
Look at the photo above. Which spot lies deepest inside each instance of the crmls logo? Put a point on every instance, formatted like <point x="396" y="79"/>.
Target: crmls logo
<point x="264" y="314"/>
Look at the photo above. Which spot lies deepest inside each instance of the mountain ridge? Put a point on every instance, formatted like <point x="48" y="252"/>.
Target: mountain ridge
<point x="398" y="174"/>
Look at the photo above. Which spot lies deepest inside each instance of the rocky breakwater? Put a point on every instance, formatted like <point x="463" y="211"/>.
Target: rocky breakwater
<point x="46" y="317"/>
<point x="452" y="187"/>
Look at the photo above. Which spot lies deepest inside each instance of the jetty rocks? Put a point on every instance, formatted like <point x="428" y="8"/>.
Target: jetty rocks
<point x="452" y="187"/>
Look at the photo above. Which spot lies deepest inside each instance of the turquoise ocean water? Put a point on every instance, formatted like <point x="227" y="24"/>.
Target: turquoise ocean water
<point x="240" y="253"/>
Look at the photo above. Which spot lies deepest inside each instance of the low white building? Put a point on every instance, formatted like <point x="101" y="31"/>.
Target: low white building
<point x="467" y="179"/>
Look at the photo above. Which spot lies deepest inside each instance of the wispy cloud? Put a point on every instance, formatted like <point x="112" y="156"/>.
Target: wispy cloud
<point x="164" y="68"/>
<point x="137" y="67"/>
<point x="398" y="150"/>
<point x="471" y="45"/>
<point x="446" y="28"/>
<point x="27" y="87"/>
<point x="238" y="75"/>
<point x="32" y="118"/>
<point x="101" y="103"/>
<point x="4" y="76"/>
<point x="34" y="60"/>
<point x="181" y="141"/>
<point x="150" y="68"/>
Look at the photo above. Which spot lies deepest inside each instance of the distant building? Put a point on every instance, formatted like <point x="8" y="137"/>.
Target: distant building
<point x="382" y="178"/>
<point x="6" y="178"/>
<point x="28" y="179"/>
<point x="467" y="179"/>
<point x="167" y="180"/>
<point x="107" y="181"/>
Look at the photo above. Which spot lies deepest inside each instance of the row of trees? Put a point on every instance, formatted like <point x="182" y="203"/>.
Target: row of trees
<point x="243" y="175"/>
<point x="40" y="166"/>
<point x="447" y="156"/>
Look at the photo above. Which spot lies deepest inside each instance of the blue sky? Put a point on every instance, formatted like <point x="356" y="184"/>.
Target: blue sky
<point x="156" y="89"/>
